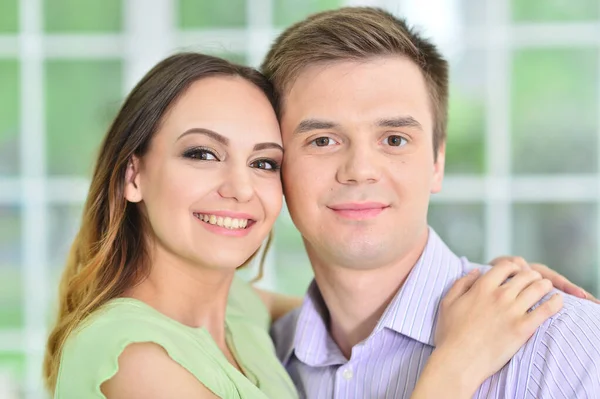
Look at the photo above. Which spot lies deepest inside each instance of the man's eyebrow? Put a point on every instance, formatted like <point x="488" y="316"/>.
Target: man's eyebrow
<point x="308" y="125"/>
<point x="401" y="121"/>
<point x="207" y="132"/>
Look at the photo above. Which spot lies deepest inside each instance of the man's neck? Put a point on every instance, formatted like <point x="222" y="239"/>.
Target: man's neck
<point x="356" y="299"/>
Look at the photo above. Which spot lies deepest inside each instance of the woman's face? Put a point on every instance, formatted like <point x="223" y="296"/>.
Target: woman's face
<point x="210" y="182"/>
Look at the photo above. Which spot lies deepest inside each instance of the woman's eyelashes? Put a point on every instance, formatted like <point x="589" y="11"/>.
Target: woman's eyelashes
<point x="266" y="164"/>
<point x="201" y="154"/>
<point x="207" y="154"/>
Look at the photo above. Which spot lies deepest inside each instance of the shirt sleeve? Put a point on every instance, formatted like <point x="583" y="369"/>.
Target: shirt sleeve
<point x="91" y="354"/>
<point x="566" y="358"/>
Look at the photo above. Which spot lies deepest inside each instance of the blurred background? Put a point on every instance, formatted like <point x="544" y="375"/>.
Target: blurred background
<point x="523" y="174"/>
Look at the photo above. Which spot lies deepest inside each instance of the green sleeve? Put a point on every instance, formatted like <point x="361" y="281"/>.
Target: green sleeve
<point x="90" y="356"/>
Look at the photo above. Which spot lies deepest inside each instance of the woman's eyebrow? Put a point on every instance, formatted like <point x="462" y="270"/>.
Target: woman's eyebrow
<point x="207" y="132"/>
<point x="265" y="146"/>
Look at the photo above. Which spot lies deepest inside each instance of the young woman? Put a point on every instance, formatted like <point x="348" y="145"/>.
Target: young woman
<point x="185" y="190"/>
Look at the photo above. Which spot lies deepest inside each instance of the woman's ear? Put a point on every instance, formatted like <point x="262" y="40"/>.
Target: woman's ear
<point x="133" y="191"/>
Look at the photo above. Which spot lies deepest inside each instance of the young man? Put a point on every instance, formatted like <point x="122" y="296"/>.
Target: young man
<point x="363" y="115"/>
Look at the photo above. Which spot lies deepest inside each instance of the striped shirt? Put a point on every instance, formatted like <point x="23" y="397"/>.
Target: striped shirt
<point x="561" y="360"/>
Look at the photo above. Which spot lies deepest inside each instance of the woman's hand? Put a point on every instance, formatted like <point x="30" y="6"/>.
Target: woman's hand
<point x="558" y="280"/>
<point x="482" y="324"/>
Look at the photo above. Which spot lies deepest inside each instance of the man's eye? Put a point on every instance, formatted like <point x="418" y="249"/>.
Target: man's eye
<point x="323" y="142"/>
<point x="395" y="141"/>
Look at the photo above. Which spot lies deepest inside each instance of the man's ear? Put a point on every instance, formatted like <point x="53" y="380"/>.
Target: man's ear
<point x="133" y="191"/>
<point x="438" y="169"/>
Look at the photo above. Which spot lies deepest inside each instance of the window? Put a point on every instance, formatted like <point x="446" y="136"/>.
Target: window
<point x="522" y="155"/>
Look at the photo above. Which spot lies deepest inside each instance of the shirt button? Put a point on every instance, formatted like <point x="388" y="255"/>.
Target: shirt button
<point x="347" y="374"/>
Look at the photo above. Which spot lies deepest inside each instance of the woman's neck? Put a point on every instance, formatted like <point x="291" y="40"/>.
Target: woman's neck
<point x="191" y="294"/>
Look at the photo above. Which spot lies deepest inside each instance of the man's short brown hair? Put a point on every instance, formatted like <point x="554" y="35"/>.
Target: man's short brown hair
<point x="357" y="33"/>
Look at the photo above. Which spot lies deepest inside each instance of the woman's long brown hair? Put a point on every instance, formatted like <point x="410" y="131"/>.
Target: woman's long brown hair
<point x="109" y="254"/>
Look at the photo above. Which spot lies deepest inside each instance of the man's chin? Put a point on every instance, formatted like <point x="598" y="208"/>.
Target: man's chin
<point x="359" y="254"/>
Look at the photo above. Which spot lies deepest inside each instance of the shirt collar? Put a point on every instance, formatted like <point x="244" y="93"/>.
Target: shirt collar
<point x="412" y="312"/>
<point x="312" y="342"/>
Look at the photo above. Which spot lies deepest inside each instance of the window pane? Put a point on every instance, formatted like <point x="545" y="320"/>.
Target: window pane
<point x="9" y="17"/>
<point x="286" y="12"/>
<point x="232" y="57"/>
<point x="554" y="10"/>
<point x="82" y="97"/>
<point x="563" y="236"/>
<point x="554" y="111"/>
<point x="9" y="117"/>
<point x="11" y="293"/>
<point x="83" y="16"/>
<point x="293" y="268"/>
<point x="218" y="50"/>
<point x="461" y="227"/>
<point x="194" y="14"/>
<point x="466" y="123"/>
<point x="12" y="374"/>
<point x="63" y="225"/>
<point x="473" y="12"/>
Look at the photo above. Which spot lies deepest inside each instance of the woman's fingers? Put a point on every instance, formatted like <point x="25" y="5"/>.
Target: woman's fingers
<point x="498" y="275"/>
<point x="591" y="298"/>
<point x="539" y="315"/>
<point x="520" y="261"/>
<point x="519" y="282"/>
<point x="461" y="286"/>
<point x="533" y="294"/>
<point x="559" y="281"/>
<point x="483" y="323"/>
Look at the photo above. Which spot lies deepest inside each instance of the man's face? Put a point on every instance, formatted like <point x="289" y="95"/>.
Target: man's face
<point x="359" y="166"/>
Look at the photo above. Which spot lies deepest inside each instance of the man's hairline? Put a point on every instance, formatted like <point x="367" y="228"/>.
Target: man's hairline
<point x="285" y="90"/>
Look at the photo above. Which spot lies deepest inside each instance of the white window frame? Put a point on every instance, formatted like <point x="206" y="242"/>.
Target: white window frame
<point x="149" y="36"/>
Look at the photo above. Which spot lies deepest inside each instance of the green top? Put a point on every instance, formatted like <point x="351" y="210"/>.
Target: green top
<point x="90" y="355"/>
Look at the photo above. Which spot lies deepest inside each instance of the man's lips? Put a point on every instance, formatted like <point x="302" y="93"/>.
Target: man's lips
<point x="358" y="210"/>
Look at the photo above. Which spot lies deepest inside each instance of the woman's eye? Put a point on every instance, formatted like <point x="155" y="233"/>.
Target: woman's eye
<point x="200" y="154"/>
<point x="265" y="164"/>
<point x="323" y="142"/>
<point x="395" y="141"/>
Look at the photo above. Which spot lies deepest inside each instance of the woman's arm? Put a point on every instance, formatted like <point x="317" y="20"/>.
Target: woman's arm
<point x="483" y="323"/>
<point x="147" y="372"/>
<point x="278" y="304"/>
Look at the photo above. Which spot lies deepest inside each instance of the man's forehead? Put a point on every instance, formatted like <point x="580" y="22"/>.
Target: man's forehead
<point x="376" y="88"/>
<point x="345" y="66"/>
<point x="346" y="77"/>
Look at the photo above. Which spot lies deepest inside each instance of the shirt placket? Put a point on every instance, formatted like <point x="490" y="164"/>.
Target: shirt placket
<point x="345" y="381"/>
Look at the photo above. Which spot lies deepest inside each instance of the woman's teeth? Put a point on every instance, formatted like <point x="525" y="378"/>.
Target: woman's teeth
<point x="226" y="222"/>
